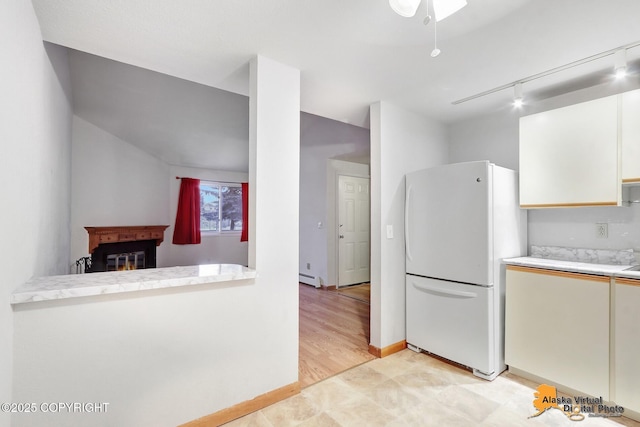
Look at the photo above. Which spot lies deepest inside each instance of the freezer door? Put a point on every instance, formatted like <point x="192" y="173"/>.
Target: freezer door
<point x="447" y="223"/>
<point x="452" y="320"/>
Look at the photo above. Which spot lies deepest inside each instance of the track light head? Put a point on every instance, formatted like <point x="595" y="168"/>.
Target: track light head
<point x="518" y="101"/>
<point x="620" y="66"/>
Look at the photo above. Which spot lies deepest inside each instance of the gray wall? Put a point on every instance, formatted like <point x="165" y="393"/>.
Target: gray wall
<point x="35" y="130"/>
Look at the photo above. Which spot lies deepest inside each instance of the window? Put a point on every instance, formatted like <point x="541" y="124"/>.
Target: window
<point x="220" y="207"/>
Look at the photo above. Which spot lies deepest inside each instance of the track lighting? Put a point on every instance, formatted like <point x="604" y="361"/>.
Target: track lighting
<point x="620" y="67"/>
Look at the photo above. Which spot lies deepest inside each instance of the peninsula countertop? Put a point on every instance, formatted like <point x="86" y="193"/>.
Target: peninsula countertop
<point x="611" y="270"/>
<point x="81" y="285"/>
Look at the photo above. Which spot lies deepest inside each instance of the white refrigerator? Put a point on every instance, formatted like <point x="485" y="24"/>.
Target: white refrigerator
<point x="461" y="220"/>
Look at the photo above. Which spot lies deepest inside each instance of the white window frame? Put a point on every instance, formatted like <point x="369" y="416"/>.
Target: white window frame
<point x="220" y="232"/>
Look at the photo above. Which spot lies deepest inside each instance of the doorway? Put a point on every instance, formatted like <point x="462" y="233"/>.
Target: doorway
<point x="354" y="230"/>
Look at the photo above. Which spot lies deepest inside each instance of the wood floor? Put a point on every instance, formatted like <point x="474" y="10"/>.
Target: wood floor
<point x="361" y="292"/>
<point x="334" y="334"/>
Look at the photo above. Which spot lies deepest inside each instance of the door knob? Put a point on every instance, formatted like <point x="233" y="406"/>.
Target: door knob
<point x="341" y="236"/>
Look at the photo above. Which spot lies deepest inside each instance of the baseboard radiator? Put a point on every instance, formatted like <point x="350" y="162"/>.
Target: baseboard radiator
<point x="308" y="279"/>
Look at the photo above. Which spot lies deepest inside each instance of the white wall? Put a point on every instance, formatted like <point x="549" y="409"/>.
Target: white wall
<point x="35" y="130"/>
<point x="113" y="183"/>
<point x="401" y="142"/>
<point x="214" y="248"/>
<point x="219" y="344"/>
<point x="321" y="140"/>
<point x="495" y="137"/>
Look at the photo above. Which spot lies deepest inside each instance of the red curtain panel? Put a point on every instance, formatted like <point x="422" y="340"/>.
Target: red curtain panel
<point x="244" y="237"/>
<point x="187" y="229"/>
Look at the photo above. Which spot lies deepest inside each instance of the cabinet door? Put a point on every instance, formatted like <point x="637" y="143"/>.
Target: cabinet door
<point x="569" y="156"/>
<point x="630" y="129"/>
<point x="626" y="329"/>
<point x="557" y="327"/>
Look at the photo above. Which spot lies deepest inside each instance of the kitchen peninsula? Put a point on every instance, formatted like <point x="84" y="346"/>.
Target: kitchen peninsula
<point x="126" y="338"/>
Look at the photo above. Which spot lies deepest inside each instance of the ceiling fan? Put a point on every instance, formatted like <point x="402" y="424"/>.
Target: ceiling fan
<point x="441" y="8"/>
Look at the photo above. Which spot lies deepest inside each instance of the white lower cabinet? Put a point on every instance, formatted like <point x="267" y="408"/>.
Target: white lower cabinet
<point x="557" y="327"/>
<point x="626" y="343"/>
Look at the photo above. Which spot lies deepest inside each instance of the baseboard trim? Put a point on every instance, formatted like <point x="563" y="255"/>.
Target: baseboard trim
<point x="388" y="350"/>
<point x="246" y="407"/>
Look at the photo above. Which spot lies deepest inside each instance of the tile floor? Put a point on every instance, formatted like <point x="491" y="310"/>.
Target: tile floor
<point x="410" y="389"/>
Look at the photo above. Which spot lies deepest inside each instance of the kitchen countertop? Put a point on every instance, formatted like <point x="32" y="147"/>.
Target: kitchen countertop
<point x="574" y="266"/>
<point x="90" y="284"/>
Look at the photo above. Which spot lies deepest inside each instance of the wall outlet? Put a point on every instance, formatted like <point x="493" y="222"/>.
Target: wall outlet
<point x="602" y="230"/>
<point x="308" y="266"/>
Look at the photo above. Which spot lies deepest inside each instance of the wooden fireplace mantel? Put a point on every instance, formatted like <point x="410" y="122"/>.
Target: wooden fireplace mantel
<point x="127" y="233"/>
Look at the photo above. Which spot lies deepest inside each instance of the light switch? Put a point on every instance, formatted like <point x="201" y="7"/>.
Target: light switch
<point x="389" y="231"/>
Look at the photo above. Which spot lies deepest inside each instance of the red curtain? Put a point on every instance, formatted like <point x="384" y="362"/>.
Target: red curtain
<point x="187" y="229"/>
<point x="244" y="237"/>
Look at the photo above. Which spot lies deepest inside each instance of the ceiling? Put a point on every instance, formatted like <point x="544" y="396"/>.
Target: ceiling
<point x="181" y="122"/>
<point x="350" y="53"/>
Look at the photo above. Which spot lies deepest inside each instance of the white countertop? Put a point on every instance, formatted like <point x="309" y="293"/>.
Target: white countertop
<point x="574" y="266"/>
<point x="90" y="284"/>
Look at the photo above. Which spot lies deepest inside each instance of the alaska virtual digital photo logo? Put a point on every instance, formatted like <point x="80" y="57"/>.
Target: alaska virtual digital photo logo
<point x="546" y="397"/>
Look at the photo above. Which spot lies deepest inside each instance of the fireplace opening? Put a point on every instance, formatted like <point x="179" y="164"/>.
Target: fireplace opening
<point x="124" y="256"/>
<point x="126" y="261"/>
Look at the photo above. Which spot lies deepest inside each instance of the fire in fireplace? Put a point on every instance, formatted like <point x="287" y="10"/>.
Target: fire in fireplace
<point x="126" y="261"/>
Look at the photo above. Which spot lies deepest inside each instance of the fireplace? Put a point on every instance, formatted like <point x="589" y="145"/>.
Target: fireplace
<point x="124" y="247"/>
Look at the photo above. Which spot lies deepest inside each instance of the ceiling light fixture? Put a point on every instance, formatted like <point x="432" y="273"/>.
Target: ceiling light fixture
<point x="445" y="8"/>
<point x="549" y="72"/>
<point x="406" y="8"/>
<point x="441" y="8"/>
<point x="620" y="63"/>
<point x="517" y="95"/>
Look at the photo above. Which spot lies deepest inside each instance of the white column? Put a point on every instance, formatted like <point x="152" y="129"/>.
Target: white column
<point x="274" y="176"/>
<point x="401" y="142"/>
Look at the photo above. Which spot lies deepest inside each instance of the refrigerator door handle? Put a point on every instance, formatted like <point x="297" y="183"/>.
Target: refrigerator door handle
<point x="448" y="292"/>
<point x="406" y="224"/>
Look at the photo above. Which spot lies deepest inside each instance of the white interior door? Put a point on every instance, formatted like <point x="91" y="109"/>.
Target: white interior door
<point x="354" y="231"/>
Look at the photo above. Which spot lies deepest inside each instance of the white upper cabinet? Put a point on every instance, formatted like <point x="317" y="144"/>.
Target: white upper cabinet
<point x="630" y="127"/>
<point x="570" y="156"/>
